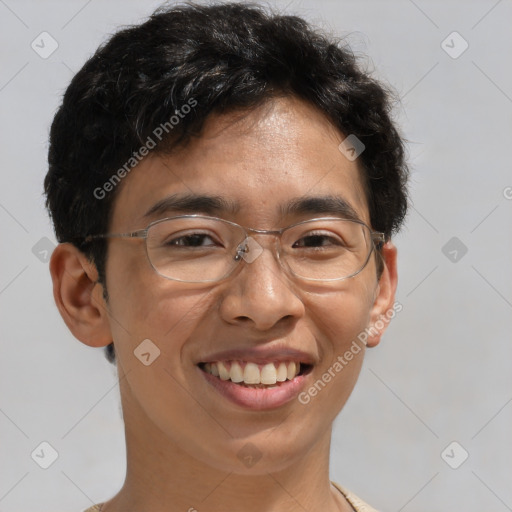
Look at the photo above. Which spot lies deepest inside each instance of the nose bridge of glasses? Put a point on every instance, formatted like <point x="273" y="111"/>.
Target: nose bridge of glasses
<point x="250" y="249"/>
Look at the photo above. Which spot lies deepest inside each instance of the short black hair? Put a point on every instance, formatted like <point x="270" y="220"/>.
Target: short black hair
<point x="219" y="58"/>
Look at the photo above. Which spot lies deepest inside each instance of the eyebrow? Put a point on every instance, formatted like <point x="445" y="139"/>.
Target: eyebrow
<point x="192" y="203"/>
<point x="333" y="205"/>
<point x="217" y="205"/>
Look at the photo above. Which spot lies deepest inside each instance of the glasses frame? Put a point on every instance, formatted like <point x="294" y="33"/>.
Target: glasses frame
<point x="377" y="240"/>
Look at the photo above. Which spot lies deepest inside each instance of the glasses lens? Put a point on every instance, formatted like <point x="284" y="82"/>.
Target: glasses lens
<point x="193" y="249"/>
<point x="326" y="249"/>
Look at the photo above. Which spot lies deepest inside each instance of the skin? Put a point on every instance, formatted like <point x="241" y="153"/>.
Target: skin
<point x="182" y="436"/>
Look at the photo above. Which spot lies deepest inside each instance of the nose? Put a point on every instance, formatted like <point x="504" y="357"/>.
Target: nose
<point x="260" y="293"/>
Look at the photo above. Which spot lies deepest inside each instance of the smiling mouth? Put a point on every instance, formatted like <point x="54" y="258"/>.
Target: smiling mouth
<point x="253" y="375"/>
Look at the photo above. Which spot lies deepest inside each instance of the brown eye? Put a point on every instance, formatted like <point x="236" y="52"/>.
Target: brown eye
<point x="194" y="240"/>
<point x="318" y="240"/>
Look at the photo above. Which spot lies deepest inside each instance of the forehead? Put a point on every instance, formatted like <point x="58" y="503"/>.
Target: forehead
<point x="277" y="163"/>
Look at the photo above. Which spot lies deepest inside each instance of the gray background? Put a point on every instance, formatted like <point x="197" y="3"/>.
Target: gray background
<point x="443" y="370"/>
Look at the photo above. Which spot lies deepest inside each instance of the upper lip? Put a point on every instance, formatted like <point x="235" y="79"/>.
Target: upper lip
<point x="260" y="355"/>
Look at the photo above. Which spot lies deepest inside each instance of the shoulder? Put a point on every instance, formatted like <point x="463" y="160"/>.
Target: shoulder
<point x="94" y="508"/>
<point x="357" y="503"/>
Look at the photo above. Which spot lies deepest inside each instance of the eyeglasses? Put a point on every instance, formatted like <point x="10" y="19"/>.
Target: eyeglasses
<point x="202" y="249"/>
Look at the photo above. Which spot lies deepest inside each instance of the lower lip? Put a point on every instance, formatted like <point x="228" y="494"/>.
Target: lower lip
<point x="257" y="398"/>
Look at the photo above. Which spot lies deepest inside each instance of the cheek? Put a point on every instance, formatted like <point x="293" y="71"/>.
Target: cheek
<point x="168" y="317"/>
<point x="336" y="320"/>
<point x="338" y="317"/>
<point x="144" y="305"/>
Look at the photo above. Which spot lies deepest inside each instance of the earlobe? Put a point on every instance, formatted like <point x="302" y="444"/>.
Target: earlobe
<point x="78" y="296"/>
<point x="383" y="306"/>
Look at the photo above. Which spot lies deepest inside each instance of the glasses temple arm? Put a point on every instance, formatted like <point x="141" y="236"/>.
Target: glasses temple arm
<point x="141" y="233"/>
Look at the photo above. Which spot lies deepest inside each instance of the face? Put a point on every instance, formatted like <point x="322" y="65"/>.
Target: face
<point x="259" y="162"/>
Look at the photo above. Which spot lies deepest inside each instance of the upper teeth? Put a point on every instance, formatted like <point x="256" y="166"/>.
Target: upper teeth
<point x="251" y="373"/>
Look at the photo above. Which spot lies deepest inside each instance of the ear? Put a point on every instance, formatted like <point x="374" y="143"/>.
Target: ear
<point x="384" y="308"/>
<point x="78" y="295"/>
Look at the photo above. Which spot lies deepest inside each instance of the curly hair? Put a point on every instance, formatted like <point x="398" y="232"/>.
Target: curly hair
<point x="227" y="57"/>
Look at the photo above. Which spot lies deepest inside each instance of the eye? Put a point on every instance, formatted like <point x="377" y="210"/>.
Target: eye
<point x="190" y="240"/>
<point x="319" y="240"/>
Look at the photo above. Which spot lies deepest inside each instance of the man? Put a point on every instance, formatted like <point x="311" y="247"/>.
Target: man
<point x="224" y="184"/>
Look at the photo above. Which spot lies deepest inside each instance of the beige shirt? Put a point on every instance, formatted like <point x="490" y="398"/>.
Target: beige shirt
<point x="357" y="504"/>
